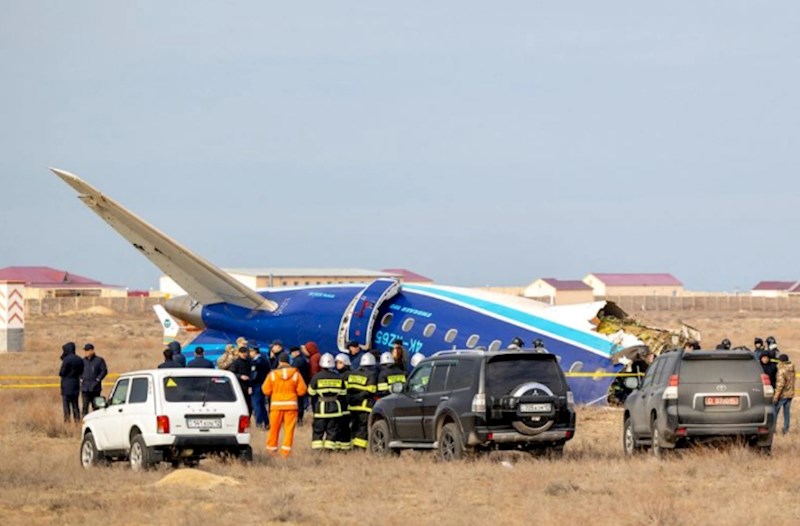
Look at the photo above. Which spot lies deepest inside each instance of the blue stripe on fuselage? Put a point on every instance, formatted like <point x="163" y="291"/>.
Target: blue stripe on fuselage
<point x="584" y="338"/>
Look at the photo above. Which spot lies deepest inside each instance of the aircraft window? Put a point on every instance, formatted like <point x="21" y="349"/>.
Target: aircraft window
<point x="407" y="324"/>
<point x="387" y="319"/>
<point x="495" y="345"/>
<point x="429" y="330"/>
<point x="306" y="282"/>
<point x="576" y="367"/>
<point x="296" y="283"/>
<point x="450" y="336"/>
<point x="472" y="341"/>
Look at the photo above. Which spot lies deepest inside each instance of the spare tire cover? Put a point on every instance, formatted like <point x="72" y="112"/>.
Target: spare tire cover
<point x="530" y="426"/>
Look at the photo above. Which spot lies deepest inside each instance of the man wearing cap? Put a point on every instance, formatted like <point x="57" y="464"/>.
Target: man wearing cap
<point x="283" y="386"/>
<point x="259" y="369"/>
<point x="241" y="368"/>
<point x="275" y="351"/>
<point x="94" y="370"/>
<point x="355" y="352"/>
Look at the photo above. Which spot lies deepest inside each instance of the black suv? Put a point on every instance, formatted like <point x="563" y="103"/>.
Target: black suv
<point x="460" y="401"/>
<point x="699" y="396"/>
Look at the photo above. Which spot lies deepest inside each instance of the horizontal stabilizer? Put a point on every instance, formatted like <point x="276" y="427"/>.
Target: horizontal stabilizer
<point x="205" y="282"/>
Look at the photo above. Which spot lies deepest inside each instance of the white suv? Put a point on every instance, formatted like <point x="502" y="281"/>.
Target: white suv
<point x="168" y="415"/>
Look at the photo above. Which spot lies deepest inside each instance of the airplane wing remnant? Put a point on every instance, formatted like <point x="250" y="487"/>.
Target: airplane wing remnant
<point x="205" y="282"/>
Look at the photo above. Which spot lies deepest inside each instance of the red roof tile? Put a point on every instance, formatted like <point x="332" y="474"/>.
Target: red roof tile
<point x="407" y="275"/>
<point x="48" y="277"/>
<point x="638" y="280"/>
<point x="571" y="284"/>
<point x="775" y="285"/>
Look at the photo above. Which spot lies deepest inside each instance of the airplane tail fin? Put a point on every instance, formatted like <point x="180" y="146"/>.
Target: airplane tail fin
<point x="203" y="281"/>
<point x="171" y="327"/>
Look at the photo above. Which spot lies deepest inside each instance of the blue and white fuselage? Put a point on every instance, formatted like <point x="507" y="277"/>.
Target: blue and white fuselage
<point x="427" y="318"/>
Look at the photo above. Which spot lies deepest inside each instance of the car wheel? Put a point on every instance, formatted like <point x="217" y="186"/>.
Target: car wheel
<point x="629" y="444"/>
<point x="90" y="456"/>
<point x="245" y="454"/>
<point x="659" y="451"/>
<point x="140" y="457"/>
<point x="379" y="439"/>
<point x="451" y="443"/>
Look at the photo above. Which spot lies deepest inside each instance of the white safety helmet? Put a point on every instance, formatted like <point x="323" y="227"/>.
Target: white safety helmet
<point x="387" y="358"/>
<point x="418" y="357"/>
<point x="342" y="357"/>
<point x="367" y="360"/>
<point x="326" y="361"/>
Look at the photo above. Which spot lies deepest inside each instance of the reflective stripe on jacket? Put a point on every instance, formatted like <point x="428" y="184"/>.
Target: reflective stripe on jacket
<point x="283" y="386"/>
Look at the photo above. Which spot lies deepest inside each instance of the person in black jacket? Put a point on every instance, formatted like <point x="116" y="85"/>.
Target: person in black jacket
<point x="177" y="355"/>
<point x="769" y="367"/>
<point x="94" y="370"/>
<point x="70" y="373"/>
<point x="299" y="362"/>
<point x="259" y="369"/>
<point x="241" y="368"/>
<point x="199" y="361"/>
<point x="168" y="362"/>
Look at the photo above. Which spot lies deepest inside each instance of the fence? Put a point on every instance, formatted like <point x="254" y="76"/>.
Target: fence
<point x="130" y="305"/>
<point x="707" y="303"/>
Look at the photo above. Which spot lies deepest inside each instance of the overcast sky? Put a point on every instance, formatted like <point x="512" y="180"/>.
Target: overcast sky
<point x="473" y="142"/>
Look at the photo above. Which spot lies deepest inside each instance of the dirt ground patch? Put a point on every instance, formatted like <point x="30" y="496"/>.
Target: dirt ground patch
<point x="41" y="481"/>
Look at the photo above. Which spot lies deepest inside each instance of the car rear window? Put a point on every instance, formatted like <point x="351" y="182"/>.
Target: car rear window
<point x="198" y="389"/>
<point x="506" y="372"/>
<point x="719" y="371"/>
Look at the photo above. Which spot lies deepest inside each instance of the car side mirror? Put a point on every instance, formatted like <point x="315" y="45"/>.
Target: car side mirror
<point x="100" y="402"/>
<point x="632" y="382"/>
<point x="397" y="388"/>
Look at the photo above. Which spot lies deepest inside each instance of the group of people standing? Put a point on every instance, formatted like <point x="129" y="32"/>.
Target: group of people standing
<point x="340" y="390"/>
<point x="80" y="377"/>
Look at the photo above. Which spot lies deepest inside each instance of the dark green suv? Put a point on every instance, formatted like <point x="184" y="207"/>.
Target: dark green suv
<point x="456" y="402"/>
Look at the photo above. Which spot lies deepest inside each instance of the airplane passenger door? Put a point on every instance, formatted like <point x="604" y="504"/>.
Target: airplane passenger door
<point x="358" y="321"/>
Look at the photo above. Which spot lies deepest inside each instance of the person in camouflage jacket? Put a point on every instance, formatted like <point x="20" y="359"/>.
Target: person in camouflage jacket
<point x="784" y="390"/>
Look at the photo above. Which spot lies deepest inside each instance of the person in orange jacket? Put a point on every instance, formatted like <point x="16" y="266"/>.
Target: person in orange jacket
<point x="283" y="386"/>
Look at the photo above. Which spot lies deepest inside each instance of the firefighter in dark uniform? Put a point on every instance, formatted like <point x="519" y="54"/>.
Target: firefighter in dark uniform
<point x="328" y="398"/>
<point x="344" y="439"/>
<point x="389" y="374"/>
<point x="362" y="385"/>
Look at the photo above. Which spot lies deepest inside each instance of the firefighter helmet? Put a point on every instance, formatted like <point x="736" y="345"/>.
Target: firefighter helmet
<point x="387" y="358"/>
<point x="342" y="357"/>
<point x="327" y="362"/>
<point x="418" y="357"/>
<point x="367" y="360"/>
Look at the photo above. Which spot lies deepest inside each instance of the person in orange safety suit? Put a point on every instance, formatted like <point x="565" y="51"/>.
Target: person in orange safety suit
<point x="283" y="386"/>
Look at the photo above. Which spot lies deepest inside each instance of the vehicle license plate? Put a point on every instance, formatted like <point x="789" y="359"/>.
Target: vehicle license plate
<point x="722" y="400"/>
<point x="204" y="423"/>
<point x="535" y="408"/>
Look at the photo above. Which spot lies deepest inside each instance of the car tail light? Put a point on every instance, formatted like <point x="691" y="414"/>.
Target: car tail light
<point x="490" y="436"/>
<point x="768" y="389"/>
<point x="162" y="425"/>
<point x="568" y="434"/>
<point x="763" y="430"/>
<point x="671" y="392"/>
<point x="479" y="403"/>
<point x="244" y="423"/>
<point x="681" y="431"/>
<point x="570" y="400"/>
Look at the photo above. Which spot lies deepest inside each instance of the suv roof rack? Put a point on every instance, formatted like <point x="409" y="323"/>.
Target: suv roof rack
<point x="460" y="351"/>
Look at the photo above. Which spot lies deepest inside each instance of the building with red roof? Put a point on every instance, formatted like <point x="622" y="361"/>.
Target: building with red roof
<point x="47" y="282"/>
<point x="559" y="292"/>
<point x="640" y="284"/>
<point x="775" y="289"/>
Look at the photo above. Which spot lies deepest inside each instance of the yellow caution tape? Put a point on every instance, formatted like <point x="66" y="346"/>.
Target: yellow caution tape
<point x="113" y="375"/>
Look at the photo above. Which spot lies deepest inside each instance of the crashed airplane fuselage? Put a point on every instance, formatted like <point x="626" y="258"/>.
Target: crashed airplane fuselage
<point x="427" y="318"/>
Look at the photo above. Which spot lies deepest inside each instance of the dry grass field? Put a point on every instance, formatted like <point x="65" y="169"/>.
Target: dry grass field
<point x="41" y="481"/>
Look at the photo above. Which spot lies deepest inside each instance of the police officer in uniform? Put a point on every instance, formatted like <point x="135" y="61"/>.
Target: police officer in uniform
<point x="328" y="397"/>
<point x="538" y="346"/>
<point x="389" y="374"/>
<point x="362" y="385"/>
